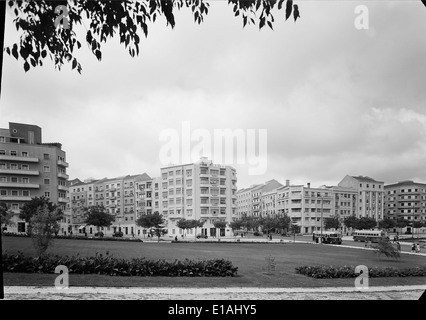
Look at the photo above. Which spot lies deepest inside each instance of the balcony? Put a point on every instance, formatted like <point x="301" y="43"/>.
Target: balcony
<point x="62" y="163"/>
<point x="19" y="185"/>
<point x="24" y="172"/>
<point x="63" y="175"/>
<point x="63" y="188"/>
<point x="62" y="199"/>
<point x="16" y="158"/>
<point x="15" y="198"/>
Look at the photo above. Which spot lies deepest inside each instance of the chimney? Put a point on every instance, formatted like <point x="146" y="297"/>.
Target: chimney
<point x="287" y="183"/>
<point x="309" y="185"/>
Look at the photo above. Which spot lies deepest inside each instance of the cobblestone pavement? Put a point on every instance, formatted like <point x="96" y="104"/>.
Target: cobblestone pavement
<point x="103" y="293"/>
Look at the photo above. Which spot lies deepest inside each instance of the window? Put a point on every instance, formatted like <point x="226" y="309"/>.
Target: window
<point x="13" y="153"/>
<point x="46" y="169"/>
<point x="14" y="179"/>
<point x="46" y="181"/>
<point x="46" y="156"/>
<point x="14" y="166"/>
<point x="2" y="152"/>
<point x="2" y="139"/>
<point x="25" y="180"/>
<point x="3" y="192"/>
<point x="25" y="167"/>
<point x="25" y="193"/>
<point x="47" y="194"/>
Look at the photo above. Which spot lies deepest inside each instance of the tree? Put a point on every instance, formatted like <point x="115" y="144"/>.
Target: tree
<point x="268" y="224"/>
<point x="284" y="223"/>
<point x="6" y="216"/>
<point x="98" y="217"/>
<point x="152" y="221"/>
<point x="47" y="31"/>
<point x="42" y="227"/>
<point x="387" y="223"/>
<point x="194" y="224"/>
<point x="184" y="224"/>
<point x="384" y="246"/>
<point x="30" y="208"/>
<point x="351" y="222"/>
<point x="235" y="225"/>
<point x="220" y="225"/>
<point x="366" y="223"/>
<point x="332" y="222"/>
<point x="401" y="223"/>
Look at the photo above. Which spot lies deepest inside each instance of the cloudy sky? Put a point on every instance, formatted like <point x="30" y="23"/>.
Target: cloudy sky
<point x="334" y="100"/>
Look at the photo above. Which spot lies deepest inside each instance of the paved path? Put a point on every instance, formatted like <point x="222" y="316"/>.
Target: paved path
<point x="103" y="293"/>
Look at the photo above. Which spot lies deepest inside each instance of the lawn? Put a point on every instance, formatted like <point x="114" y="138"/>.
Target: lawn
<point x="250" y="258"/>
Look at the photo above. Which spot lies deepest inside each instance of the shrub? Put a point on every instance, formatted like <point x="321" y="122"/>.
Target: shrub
<point x="384" y="246"/>
<point x="109" y="265"/>
<point x="331" y="272"/>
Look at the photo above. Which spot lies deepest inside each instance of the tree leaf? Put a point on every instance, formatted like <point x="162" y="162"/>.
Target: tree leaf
<point x="296" y="12"/>
<point x="98" y="54"/>
<point x="26" y="66"/>
<point x="43" y="54"/>
<point x="74" y="63"/>
<point x="15" y="51"/>
<point x="288" y="9"/>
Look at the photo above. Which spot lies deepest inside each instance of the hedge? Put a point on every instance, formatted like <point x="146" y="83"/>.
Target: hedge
<point x="109" y="265"/>
<point x="331" y="272"/>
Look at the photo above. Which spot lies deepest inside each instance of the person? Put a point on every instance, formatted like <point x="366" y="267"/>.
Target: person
<point x="398" y="246"/>
<point x="270" y="237"/>
<point x="176" y="238"/>
<point x="418" y="248"/>
<point x="413" y="248"/>
<point x="394" y="239"/>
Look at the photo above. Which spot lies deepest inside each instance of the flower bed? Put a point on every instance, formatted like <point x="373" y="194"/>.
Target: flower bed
<point x="109" y="265"/>
<point x="331" y="272"/>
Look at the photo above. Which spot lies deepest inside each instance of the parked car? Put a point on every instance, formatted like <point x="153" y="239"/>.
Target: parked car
<point x="202" y="236"/>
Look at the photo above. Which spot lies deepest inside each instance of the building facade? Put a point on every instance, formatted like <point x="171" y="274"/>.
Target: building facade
<point x="407" y="200"/>
<point x="370" y="194"/>
<point x="198" y="191"/>
<point x="30" y="168"/>
<point x="307" y="207"/>
<point x="124" y="197"/>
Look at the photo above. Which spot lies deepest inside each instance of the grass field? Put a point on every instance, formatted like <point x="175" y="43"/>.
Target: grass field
<point x="249" y="258"/>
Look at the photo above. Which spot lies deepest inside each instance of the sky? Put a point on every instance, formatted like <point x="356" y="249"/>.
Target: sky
<point x="333" y="99"/>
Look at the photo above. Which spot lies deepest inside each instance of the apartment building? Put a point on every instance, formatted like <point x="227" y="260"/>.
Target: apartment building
<point x="124" y="197"/>
<point x="307" y="207"/>
<point x="406" y="199"/>
<point x="200" y="191"/>
<point x="30" y="168"/>
<point x="258" y="200"/>
<point x="370" y="195"/>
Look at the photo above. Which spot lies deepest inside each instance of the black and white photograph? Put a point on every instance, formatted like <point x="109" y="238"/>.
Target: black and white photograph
<point x="213" y="156"/>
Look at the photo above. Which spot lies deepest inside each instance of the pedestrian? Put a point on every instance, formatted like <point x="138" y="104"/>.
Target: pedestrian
<point x="398" y="246"/>
<point x="394" y="239"/>
<point x="270" y="237"/>
<point x="413" y="248"/>
<point x="176" y="238"/>
<point x="418" y="248"/>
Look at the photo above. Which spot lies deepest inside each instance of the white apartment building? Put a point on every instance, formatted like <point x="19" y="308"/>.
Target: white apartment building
<point x="198" y="191"/>
<point x="307" y="207"/>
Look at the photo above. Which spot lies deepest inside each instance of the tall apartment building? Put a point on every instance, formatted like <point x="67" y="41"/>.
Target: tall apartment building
<point x="30" y="168"/>
<point x="406" y="199"/>
<point x="370" y="194"/>
<point x="200" y="191"/>
<point x="124" y="197"/>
